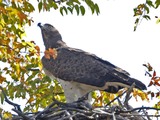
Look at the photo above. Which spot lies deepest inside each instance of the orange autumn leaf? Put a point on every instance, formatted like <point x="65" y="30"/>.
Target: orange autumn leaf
<point x="53" y="53"/>
<point x="154" y="74"/>
<point x="38" y="49"/>
<point x="46" y="54"/>
<point x="21" y="16"/>
<point x="157" y="94"/>
<point x="156" y="82"/>
<point x="151" y="83"/>
<point x="50" y="53"/>
<point x="152" y="94"/>
<point x="2" y="79"/>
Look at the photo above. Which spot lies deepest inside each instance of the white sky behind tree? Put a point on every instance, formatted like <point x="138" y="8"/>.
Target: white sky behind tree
<point x="109" y="35"/>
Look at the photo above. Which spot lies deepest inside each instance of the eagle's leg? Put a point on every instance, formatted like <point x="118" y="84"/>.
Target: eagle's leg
<point x="84" y="104"/>
<point x="77" y="104"/>
<point x="84" y="101"/>
<point x="83" y="98"/>
<point x="81" y="104"/>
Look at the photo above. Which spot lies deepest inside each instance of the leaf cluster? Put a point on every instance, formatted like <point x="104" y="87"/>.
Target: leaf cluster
<point x="68" y="6"/>
<point x="21" y="72"/>
<point x="154" y="82"/>
<point x="81" y="111"/>
<point x="143" y="11"/>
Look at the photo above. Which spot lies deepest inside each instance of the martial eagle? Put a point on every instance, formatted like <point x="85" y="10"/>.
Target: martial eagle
<point x="80" y="72"/>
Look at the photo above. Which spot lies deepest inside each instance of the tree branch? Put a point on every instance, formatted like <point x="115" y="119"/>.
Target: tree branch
<point x="16" y="106"/>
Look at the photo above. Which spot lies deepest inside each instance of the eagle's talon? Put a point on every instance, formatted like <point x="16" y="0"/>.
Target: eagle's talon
<point x="83" y="105"/>
<point x="76" y="104"/>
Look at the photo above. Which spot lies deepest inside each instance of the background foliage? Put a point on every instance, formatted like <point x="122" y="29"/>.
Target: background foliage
<point x="21" y="74"/>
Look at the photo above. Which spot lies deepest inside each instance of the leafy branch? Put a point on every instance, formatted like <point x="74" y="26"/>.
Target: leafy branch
<point x="143" y="10"/>
<point x="77" y="110"/>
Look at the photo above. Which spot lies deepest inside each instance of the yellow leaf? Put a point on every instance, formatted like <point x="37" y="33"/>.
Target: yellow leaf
<point x="18" y="68"/>
<point x="141" y="94"/>
<point x="38" y="95"/>
<point x="112" y="96"/>
<point x="7" y="115"/>
<point x="40" y="66"/>
<point x="31" y="99"/>
<point x="158" y="21"/>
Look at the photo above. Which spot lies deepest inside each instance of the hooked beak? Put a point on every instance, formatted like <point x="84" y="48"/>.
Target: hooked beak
<point x="39" y="24"/>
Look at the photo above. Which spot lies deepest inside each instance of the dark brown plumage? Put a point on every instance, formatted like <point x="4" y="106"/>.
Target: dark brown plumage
<point x="80" y="70"/>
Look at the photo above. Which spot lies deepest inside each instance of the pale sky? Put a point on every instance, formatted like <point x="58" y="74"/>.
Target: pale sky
<point x="109" y="35"/>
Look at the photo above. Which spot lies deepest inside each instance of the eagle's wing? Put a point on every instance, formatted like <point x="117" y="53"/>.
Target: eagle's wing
<point x="79" y="66"/>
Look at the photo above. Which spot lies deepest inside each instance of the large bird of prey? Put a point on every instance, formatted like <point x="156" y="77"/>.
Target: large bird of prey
<point x="80" y="72"/>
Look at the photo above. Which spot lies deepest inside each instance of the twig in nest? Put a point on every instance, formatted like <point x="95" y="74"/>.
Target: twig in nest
<point x="46" y="109"/>
<point x="113" y="114"/>
<point x="116" y="98"/>
<point x="128" y="95"/>
<point x="76" y="104"/>
<point x="145" y="113"/>
<point x="141" y="108"/>
<point x="16" y="106"/>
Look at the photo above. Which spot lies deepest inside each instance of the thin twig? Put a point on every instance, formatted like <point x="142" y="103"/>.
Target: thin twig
<point x="145" y="113"/>
<point x="45" y="110"/>
<point x="148" y="108"/>
<point x="113" y="114"/>
<point x="21" y="114"/>
<point x="116" y="98"/>
<point x="128" y="95"/>
<point x="31" y="69"/>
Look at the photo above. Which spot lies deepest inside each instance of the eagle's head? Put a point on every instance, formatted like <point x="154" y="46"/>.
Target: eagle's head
<point x="51" y="37"/>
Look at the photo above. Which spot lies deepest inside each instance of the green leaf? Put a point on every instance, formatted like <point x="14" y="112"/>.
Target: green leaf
<point x="29" y="7"/>
<point x="146" y="17"/>
<point x="97" y="8"/>
<point x="157" y="3"/>
<point x="2" y="98"/>
<point x="61" y="10"/>
<point x="77" y="9"/>
<point x="148" y="2"/>
<point x="40" y="6"/>
<point x="146" y="8"/>
<point x="54" y="5"/>
<point x="70" y="9"/>
<point x="65" y="9"/>
<point x="76" y="1"/>
<point x="69" y="3"/>
<point x="82" y="10"/>
<point x="5" y="17"/>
